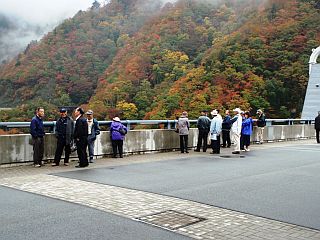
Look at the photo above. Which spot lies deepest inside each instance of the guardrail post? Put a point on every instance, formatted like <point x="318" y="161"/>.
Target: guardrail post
<point x="268" y="123"/>
<point x="128" y="124"/>
<point x="54" y="128"/>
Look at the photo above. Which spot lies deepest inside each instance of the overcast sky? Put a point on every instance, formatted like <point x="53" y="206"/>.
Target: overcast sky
<point x="43" y="11"/>
<point x="31" y="19"/>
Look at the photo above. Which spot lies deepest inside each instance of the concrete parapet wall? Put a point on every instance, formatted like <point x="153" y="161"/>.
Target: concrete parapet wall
<point x="18" y="149"/>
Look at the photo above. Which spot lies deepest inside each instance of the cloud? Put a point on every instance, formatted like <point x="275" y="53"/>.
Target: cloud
<point x="24" y="21"/>
<point x="43" y="12"/>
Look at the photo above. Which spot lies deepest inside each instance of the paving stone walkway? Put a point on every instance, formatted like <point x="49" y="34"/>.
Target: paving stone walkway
<point x="196" y="220"/>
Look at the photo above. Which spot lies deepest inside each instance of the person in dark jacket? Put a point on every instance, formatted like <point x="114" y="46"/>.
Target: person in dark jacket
<point x="117" y="134"/>
<point x="81" y="137"/>
<point x="226" y="126"/>
<point x="64" y="135"/>
<point x="261" y="123"/>
<point x="37" y="133"/>
<point x="317" y="126"/>
<point x="203" y="125"/>
<point x="93" y="131"/>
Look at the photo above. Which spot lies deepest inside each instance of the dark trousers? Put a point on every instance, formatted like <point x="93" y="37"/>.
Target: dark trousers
<point x="226" y="141"/>
<point x="82" y="151"/>
<point x="202" y="138"/>
<point x="215" y="145"/>
<point x="117" y="145"/>
<point x="317" y="135"/>
<point x="38" y="149"/>
<point x="184" y="143"/>
<point x="244" y="141"/>
<point x="61" y="144"/>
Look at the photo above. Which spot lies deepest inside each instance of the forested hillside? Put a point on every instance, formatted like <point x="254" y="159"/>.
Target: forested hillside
<point x="148" y="60"/>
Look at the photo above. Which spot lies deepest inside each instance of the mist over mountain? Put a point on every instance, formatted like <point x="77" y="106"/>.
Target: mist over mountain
<point x="24" y="21"/>
<point x="15" y="35"/>
<point x="150" y="59"/>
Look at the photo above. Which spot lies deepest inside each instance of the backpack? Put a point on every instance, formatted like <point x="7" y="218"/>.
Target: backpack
<point x="122" y="131"/>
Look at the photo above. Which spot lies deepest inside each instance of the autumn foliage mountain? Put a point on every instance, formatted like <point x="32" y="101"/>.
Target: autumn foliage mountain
<point x="152" y="60"/>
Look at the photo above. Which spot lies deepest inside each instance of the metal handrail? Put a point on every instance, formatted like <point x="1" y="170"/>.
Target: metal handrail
<point x="167" y="123"/>
<point x="128" y="123"/>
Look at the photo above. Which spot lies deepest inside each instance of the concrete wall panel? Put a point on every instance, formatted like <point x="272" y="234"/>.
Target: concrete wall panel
<point x="18" y="148"/>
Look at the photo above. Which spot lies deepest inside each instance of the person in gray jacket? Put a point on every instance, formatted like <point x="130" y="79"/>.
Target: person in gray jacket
<point x="183" y="126"/>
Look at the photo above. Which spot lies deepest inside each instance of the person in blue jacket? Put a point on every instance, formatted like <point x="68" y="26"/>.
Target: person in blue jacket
<point x="246" y="131"/>
<point x="117" y="134"/>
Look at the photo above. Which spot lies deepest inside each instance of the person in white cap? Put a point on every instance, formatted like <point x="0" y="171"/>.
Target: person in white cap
<point x="117" y="135"/>
<point x="215" y="131"/>
<point x="93" y="131"/>
<point x="236" y="130"/>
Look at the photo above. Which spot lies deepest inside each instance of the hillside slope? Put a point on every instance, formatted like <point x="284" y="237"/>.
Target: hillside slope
<point x="63" y="68"/>
<point x="251" y="54"/>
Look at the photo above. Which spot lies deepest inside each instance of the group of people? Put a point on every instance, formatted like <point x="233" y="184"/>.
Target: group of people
<point x="79" y="134"/>
<point x="240" y="125"/>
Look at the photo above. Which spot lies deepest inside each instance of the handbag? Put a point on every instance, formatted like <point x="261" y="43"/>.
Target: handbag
<point x="73" y="147"/>
<point x="209" y="140"/>
<point x="177" y="128"/>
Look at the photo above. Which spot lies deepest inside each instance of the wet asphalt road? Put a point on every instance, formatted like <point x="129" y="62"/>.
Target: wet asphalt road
<point x="281" y="183"/>
<point x="26" y="216"/>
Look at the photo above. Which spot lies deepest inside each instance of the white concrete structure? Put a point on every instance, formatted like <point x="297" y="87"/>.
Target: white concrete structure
<point x="311" y="104"/>
<point x="313" y="58"/>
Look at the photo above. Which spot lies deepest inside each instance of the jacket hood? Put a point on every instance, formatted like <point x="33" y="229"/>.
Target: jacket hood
<point x="116" y="124"/>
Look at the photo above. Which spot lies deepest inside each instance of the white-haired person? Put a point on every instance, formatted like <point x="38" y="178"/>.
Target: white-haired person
<point x="183" y="126"/>
<point x="215" y="131"/>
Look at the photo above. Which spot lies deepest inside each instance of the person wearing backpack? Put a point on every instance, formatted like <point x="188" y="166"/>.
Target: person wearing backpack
<point x="117" y="134"/>
<point x="261" y="123"/>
